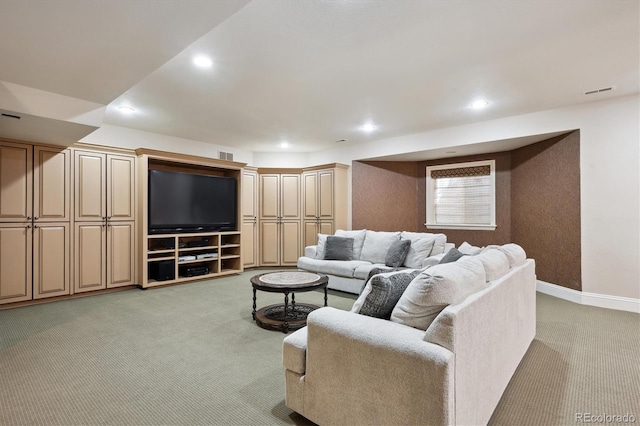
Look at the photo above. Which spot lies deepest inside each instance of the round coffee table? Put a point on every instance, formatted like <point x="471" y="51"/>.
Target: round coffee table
<point x="286" y="316"/>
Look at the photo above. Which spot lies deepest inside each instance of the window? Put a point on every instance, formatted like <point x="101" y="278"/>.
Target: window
<point x="462" y="196"/>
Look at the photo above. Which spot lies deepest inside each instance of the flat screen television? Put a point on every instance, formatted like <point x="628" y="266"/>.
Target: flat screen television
<point x="189" y="202"/>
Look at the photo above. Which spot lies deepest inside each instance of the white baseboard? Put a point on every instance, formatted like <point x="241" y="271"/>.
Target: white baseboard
<point x="592" y="299"/>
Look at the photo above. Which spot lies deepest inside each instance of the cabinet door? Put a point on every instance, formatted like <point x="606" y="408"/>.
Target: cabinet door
<point x="249" y="195"/>
<point x="326" y="227"/>
<point x="310" y="196"/>
<point x="325" y="194"/>
<point x="310" y="233"/>
<point x="269" y="196"/>
<point x="15" y="182"/>
<point x="51" y="184"/>
<point x="120" y="187"/>
<point x="290" y="196"/>
<point x="249" y="244"/>
<point x="89" y="186"/>
<point x="269" y="244"/>
<point x="290" y="243"/>
<point x="89" y="259"/>
<point x="15" y="263"/>
<point x="51" y="260"/>
<point x="120" y="254"/>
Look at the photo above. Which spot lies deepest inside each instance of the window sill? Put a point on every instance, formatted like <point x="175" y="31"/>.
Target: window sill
<point x="462" y="227"/>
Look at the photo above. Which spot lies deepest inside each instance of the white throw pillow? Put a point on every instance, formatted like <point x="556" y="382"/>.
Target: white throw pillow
<point x="419" y="250"/>
<point x="468" y="249"/>
<point x="436" y="288"/>
<point x="358" y="240"/>
<point x="322" y="242"/>
<point x="376" y="245"/>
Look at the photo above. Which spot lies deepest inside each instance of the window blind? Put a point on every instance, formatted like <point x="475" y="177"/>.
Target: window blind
<point x="463" y="196"/>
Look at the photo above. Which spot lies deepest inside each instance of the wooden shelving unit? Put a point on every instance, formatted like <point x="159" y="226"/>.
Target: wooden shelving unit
<point x="177" y="254"/>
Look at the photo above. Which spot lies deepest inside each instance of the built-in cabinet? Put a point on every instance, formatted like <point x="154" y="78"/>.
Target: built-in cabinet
<point x="181" y="257"/>
<point x="296" y="205"/>
<point x="249" y="229"/>
<point x="280" y="211"/>
<point x="34" y="222"/>
<point x="104" y="231"/>
<point x="324" y="202"/>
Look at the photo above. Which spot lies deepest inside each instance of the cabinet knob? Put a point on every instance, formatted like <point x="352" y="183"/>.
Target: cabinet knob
<point x="108" y="217"/>
<point x="36" y="218"/>
<point x="36" y="226"/>
<point x="28" y="217"/>
<point x="28" y="226"/>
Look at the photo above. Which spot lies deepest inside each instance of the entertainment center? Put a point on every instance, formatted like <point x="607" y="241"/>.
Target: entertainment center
<point x="189" y="216"/>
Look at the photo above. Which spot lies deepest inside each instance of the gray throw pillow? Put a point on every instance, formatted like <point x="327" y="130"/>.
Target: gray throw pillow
<point x="451" y="256"/>
<point x="386" y="290"/>
<point x="338" y="248"/>
<point x="397" y="253"/>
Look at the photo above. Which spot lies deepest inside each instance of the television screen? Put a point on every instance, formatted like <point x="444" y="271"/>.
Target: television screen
<point x="189" y="202"/>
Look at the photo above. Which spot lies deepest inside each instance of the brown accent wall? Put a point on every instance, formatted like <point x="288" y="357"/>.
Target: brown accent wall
<point x="502" y="233"/>
<point x="384" y="195"/>
<point x="537" y="203"/>
<point x="545" y="207"/>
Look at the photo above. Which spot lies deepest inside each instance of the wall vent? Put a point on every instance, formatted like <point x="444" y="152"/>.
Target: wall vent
<point x="604" y="89"/>
<point x="225" y="155"/>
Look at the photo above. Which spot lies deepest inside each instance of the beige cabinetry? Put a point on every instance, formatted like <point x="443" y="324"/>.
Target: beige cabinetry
<point x="324" y="201"/>
<point x="35" y="193"/>
<point x="280" y="233"/>
<point x="104" y="213"/>
<point x="249" y="217"/>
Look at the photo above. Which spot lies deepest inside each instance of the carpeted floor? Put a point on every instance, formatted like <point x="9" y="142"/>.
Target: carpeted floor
<point x="190" y="354"/>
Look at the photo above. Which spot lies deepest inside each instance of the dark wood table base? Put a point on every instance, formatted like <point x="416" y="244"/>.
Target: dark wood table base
<point x="272" y="317"/>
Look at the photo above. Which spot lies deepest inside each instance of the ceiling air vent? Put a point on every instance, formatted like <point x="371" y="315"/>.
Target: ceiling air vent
<point x="225" y="155"/>
<point x="17" y="117"/>
<point x="604" y="89"/>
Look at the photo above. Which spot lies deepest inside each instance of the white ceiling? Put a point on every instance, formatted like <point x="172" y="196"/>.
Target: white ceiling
<point x="311" y="72"/>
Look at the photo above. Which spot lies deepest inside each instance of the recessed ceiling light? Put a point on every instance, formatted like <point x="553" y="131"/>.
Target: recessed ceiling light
<point x="368" y="127"/>
<point x="479" y="104"/>
<point x="126" y="109"/>
<point x="284" y="144"/>
<point x="202" y="61"/>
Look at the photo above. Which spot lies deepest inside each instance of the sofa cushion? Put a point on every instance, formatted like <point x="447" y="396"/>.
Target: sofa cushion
<point x="451" y="256"/>
<point x="419" y="250"/>
<point x="467" y="248"/>
<point x="514" y="253"/>
<point x="358" y="240"/>
<point x="342" y="268"/>
<point x="376" y="245"/>
<point x="320" y="247"/>
<point x="363" y="271"/>
<point x="397" y="253"/>
<point x="439" y="240"/>
<point x="436" y="288"/>
<point x="338" y="248"/>
<point x="495" y="262"/>
<point x="382" y="292"/>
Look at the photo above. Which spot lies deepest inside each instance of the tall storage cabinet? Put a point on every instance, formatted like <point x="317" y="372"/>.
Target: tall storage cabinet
<point x="280" y="230"/>
<point x="104" y="231"/>
<point x="34" y="222"/>
<point x="249" y="217"/>
<point x="324" y="201"/>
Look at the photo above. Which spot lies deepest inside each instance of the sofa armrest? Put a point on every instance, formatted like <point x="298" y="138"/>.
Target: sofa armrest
<point x="310" y="251"/>
<point x="384" y="369"/>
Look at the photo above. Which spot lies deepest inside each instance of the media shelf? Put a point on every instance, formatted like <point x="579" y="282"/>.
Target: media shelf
<point x="173" y="258"/>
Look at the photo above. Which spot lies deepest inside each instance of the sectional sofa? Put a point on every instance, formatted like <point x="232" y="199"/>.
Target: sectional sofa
<point x="436" y="359"/>
<point x="370" y="250"/>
